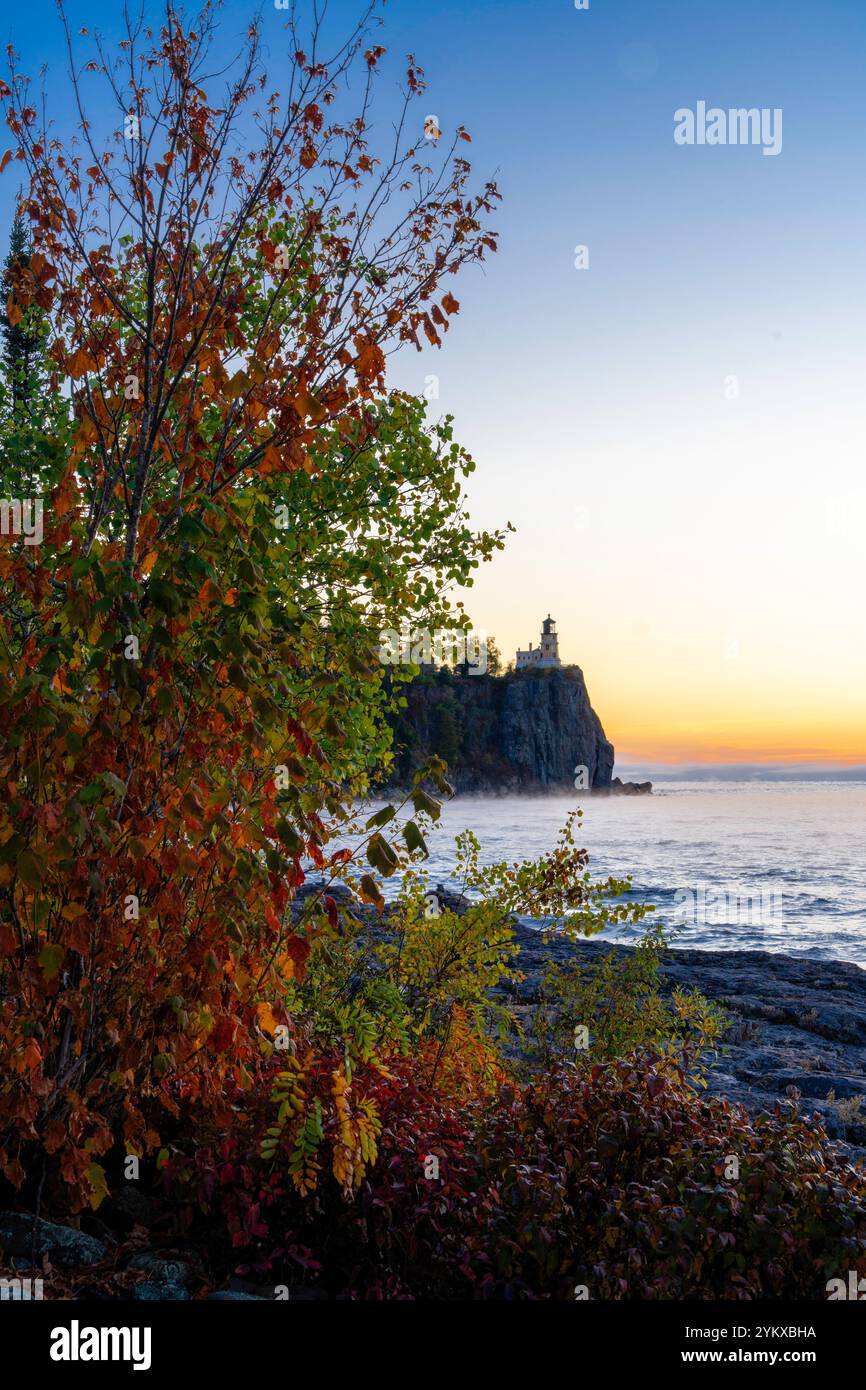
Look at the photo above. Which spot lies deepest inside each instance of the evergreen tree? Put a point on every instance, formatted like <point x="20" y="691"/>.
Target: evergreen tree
<point x="23" y="342"/>
<point x="34" y="418"/>
<point x="494" y="658"/>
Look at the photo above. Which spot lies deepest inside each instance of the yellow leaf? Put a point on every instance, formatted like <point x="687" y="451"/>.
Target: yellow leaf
<point x="96" y="1178"/>
<point x="267" y="1022"/>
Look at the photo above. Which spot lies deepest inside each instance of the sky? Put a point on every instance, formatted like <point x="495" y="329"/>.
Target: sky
<point x="676" y="430"/>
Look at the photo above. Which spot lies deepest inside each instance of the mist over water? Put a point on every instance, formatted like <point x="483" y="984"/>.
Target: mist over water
<point x="736" y="866"/>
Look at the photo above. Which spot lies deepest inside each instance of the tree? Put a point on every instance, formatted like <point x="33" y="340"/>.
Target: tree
<point x="494" y="658"/>
<point x="32" y="418"/>
<point x="493" y="663"/>
<point x="189" y="696"/>
<point x="23" y="339"/>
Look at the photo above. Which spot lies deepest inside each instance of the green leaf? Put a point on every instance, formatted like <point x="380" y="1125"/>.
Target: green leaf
<point x="96" y="1178"/>
<point x="50" y="959"/>
<point x="414" y="839"/>
<point x="165" y="596"/>
<point x="426" y="805"/>
<point x="10" y="850"/>
<point x="381" y="856"/>
<point x="190" y="529"/>
<point x="289" y="837"/>
<point x="29" y="869"/>
<point x="114" y="783"/>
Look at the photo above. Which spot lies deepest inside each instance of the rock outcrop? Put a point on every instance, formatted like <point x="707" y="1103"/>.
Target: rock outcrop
<point x="797" y="1026"/>
<point x="530" y="731"/>
<point x="22" y="1235"/>
<point x="619" y="788"/>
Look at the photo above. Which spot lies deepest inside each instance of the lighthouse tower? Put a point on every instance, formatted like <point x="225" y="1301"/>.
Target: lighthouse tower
<point x="546" y="655"/>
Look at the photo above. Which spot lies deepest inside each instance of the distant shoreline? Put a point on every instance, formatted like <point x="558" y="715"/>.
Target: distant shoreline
<point x="530" y="793"/>
<point x="746" y="772"/>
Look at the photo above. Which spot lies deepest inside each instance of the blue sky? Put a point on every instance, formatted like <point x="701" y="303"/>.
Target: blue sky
<point x="702" y="554"/>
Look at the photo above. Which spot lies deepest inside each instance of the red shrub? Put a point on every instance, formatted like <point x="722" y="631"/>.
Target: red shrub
<point x="613" y="1180"/>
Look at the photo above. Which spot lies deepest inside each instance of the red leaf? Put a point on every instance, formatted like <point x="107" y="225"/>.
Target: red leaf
<point x="222" y="1036"/>
<point x="298" y="950"/>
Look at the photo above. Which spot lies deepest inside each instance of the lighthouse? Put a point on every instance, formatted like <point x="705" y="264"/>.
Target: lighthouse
<point x="546" y="655"/>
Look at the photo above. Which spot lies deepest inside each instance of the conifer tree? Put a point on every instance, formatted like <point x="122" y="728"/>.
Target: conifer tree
<point x="23" y="341"/>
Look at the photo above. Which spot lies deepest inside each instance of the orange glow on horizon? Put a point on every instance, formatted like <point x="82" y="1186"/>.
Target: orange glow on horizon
<point x="735" y="739"/>
<point x="669" y="754"/>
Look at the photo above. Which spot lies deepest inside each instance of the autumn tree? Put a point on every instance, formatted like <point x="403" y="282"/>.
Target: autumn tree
<point x="188" y="681"/>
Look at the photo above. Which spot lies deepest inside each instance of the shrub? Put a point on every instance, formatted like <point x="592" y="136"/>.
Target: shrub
<point x="618" y="1000"/>
<point x="641" y="1160"/>
<point x="395" y="1238"/>
<point x="613" y="1179"/>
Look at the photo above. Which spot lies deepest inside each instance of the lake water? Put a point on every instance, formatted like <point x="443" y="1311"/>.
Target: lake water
<point x="754" y="865"/>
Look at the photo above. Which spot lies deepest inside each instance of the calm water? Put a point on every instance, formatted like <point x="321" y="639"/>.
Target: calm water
<point x="773" y="866"/>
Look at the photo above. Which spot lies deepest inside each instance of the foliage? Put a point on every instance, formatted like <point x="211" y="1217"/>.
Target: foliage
<point x="395" y="1239"/>
<point x="33" y="419"/>
<point x="24" y="339"/>
<point x="617" y="1000"/>
<point x="444" y="960"/>
<point x="615" y="1181"/>
<point x="188" y="695"/>
<point x="191" y="706"/>
<point x="428" y="972"/>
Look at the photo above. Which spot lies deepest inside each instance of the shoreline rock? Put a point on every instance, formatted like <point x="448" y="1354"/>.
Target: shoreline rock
<point x="794" y="1023"/>
<point x="620" y="788"/>
<point x="21" y="1234"/>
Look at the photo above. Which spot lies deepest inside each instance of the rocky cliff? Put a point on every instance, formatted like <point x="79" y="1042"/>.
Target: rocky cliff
<point x="519" y="732"/>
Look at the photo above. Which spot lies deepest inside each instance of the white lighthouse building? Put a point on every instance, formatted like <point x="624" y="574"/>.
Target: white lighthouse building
<point x="546" y="655"/>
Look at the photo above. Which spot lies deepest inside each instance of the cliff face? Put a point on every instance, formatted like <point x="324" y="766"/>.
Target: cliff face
<point x="504" y="733"/>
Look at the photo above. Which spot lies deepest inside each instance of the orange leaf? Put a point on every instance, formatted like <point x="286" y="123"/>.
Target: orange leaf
<point x="370" y="361"/>
<point x="267" y="1022"/>
<point x="207" y="594"/>
<point x="294" y="961"/>
<point x="80" y="363"/>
